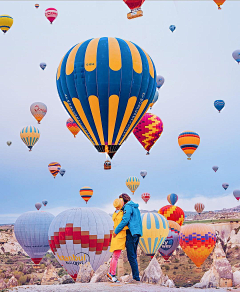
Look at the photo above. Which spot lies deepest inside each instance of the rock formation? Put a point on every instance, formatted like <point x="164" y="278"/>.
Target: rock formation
<point x="154" y="275"/>
<point x="85" y="273"/>
<point x="50" y="276"/>
<point x="236" y="279"/>
<point x="234" y="238"/>
<point x="3" y="284"/>
<point x="220" y="273"/>
<point x="13" y="282"/>
<point x="66" y="279"/>
<point x="101" y="273"/>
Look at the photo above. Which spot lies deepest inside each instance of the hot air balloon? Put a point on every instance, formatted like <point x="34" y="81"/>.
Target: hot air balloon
<point x="45" y="202"/>
<point x="38" y="110"/>
<point x="94" y="81"/>
<point x="80" y="235"/>
<point x="173" y="213"/>
<point x="54" y="168"/>
<point x="172" y="199"/>
<point x="143" y="173"/>
<point x="236" y="194"/>
<point x="145" y="197"/>
<point x="160" y="80"/>
<point x="30" y="136"/>
<point x="155" y="99"/>
<point x="132" y="183"/>
<point x="86" y="193"/>
<point x="155" y="231"/>
<point x="236" y="56"/>
<point x="199" y="207"/>
<point x="43" y="65"/>
<point x="172" y="241"/>
<point x="135" y="6"/>
<point x="31" y="231"/>
<point x="51" y="14"/>
<point x="36" y="5"/>
<point x="172" y="27"/>
<point x="197" y="241"/>
<point x="189" y="142"/>
<point x="38" y="206"/>
<point x="225" y="186"/>
<point x="72" y="127"/>
<point x="62" y="171"/>
<point x="219" y="104"/>
<point x="219" y="3"/>
<point x="6" y="22"/>
<point x="215" y="168"/>
<point x="107" y="164"/>
<point x="9" y="143"/>
<point x="148" y="131"/>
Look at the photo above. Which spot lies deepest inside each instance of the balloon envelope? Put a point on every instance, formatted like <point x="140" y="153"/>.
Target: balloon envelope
<point x="148" y="131"/>
<point x="6" y="22"/>
<point x="215" y="168"/>
<point x="62" y="171"/>
<point x="172" y="241"/>
<point x="155" y="99"/>
<point x="172" y="28"/>
<point x="219" y="3"/>
<point x="172" y="199"/>
<point x="94" y="82"/>
<point x="51" y="14"/>
<point x="86" y="193"/>
<point x="72" y="127"/>
<point x="236" y="55"/>
<point x="160" y="80"/>
<point x="199" y="207"/>
<point x="219" y="104"/>
<point x="197" y="241"/>
<point x="38" y="206"/>
<point x="173" y="213"/>
<point x="30" y="135"/>
<point x="132" y="183"/>
<point x="143" y="173"/>
<point x="38" y="110"/>
<point x="80" y="235"/>
<point x="9" y="143"/>
<point x="54" y="168"/>
<point x="236" y="194"/>
<point x="225" y="186"/>
<point x="188" y="142"/>
<point x="44" y="202"/>
<point x="145" y="197"/>
<point x="43" y="65"/>
<point x="31" y="231"/>
<point x="36" y="5"/>
<point x="155" y="230"/>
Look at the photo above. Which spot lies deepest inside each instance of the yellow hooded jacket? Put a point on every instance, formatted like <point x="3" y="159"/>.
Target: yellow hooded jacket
<point x="119" y="242"/>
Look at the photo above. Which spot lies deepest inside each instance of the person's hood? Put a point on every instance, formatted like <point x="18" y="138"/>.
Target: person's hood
<point x="132" y="204"/>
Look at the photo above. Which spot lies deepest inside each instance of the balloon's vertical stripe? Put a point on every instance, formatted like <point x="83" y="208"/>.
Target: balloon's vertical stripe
<point x="112" y="116"/>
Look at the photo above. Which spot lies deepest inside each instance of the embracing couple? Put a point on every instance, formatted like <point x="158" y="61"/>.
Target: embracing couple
<point x="127" y="231"/>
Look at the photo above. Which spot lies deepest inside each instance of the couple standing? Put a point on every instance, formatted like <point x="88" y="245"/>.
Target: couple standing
<point x="127" y="231"/>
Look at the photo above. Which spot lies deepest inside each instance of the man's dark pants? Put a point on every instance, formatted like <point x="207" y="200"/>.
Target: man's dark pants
<point x="131" y="245"/>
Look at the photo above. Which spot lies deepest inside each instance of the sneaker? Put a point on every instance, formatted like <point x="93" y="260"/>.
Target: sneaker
<point x="109" y="277"/>
<point x="112" y="278"/>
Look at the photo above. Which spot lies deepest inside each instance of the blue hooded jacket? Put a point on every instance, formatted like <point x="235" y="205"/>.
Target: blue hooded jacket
<point x="131" y="218"/>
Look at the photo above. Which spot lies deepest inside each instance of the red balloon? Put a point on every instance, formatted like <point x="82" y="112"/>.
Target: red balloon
<point x="145" y="197"/>
<point x="173" y="213"/>
<point x="133" y="4"/>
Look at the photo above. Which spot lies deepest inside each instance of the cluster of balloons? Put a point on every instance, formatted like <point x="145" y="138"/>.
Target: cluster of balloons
<point x="39" y="205"/>
<point x="55" y="168"/>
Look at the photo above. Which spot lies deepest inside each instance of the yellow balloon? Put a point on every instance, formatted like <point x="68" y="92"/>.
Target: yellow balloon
<point x="132" y="183"/>
<point x="6" y="22"/>
<point x="30" y="136"/>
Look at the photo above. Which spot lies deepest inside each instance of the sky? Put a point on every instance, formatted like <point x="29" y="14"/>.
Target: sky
<point x="196" y="62"/>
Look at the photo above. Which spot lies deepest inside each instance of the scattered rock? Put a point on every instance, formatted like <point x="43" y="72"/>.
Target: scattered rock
<point x="85" y="273"/>
<point x="236" y="279"/>
<point x="126" y="278"/>
<point x="50" y="276"/>
<point x="13" y="282"/>
<point x="101" y="273"/>
<point x="3" y="284"/>
<point x="66" y="279"/>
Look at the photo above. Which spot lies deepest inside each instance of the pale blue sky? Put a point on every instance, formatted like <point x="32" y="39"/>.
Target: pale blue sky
<point x="198" y="68"/>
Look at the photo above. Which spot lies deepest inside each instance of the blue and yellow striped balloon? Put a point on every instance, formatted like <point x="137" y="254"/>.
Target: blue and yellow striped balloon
<point x="30" y="136"/>
<point x="106" y="85"/>
<point x="6" y="22"/>
<point x="132" y="183"/>
<point x="155" y="231"/>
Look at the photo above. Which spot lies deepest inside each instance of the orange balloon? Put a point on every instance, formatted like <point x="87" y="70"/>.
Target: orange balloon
<point x="219" y="3"/>
<point x="72" y="127"/>
<point x="197" y="241"/>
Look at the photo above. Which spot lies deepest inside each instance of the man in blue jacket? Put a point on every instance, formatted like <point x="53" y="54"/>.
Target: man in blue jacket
<point x="132" y="219"/>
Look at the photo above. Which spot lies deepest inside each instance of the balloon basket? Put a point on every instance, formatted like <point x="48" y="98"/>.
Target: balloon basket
<point x="199" y="269"/>
<point x="135" y="14"/>
<point x="188" y="158"/>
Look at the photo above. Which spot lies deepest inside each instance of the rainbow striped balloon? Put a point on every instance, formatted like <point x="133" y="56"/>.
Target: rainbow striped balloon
<point x="54" y="168"/>
<point x="72" y="127"/>
<point x="189" y="142"/>
<point x="132" y="183"/>
<point x="30" y="135"/>
<point x="86" y="193"/>
<point x="155" y="231"/>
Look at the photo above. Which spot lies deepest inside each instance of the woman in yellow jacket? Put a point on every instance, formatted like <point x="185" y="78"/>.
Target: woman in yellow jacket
<point x="118" y="243"/>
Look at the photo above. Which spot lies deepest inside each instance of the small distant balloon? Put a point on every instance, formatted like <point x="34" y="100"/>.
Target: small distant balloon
<point x="38" y="110"/>
<point x="44" y="202"/>
<point x="219" y="104"/>
<point x="51" y="14"/>
<point x="86" y="193"/>
<point x="155" y="99"/>
<point x="9" y="143"/>
<point x="36" y="5"/>
<point x="43" y="65"/>
<point x="199" y="207"/>
<point x="160" y="81"/>
<point x="62" y="171"/>
<point x="132" y="183"/>
<point x="72" y="127"/>
<point x="225" y="186"/>
<point x="215" y="168"/>
<point x="38" y="206"/>
<point x="236" y="194"/>
<point x="143" y="173"/>
<point x="172" y="199"/>
<point x="54" y="168"/>
<point x="236" y="56"/>
<point x="146" y="197"/>
<point x="30" y="135"/>
<point x="6" y="22"/>
<point x="188" y="142"/>
<point x="172" y="28"/>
